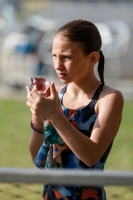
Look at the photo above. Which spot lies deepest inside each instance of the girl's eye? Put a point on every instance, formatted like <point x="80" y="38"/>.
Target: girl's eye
<point x="67" y="57"/>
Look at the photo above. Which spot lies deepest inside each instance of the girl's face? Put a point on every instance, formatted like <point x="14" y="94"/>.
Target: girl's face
<point x="70" y="63"/>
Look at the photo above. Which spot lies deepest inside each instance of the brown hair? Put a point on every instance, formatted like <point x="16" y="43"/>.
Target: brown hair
<point x="88" y="36"/>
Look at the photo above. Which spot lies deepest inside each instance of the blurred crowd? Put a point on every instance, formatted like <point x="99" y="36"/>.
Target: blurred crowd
<point x="26" y="46"/>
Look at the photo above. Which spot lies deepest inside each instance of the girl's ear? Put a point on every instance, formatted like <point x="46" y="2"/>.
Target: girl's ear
<point x="94" y="57"/>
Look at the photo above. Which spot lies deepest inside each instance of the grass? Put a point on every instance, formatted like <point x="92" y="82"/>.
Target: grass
<point x="15" y="132"/>
<point x="121" y="157"/>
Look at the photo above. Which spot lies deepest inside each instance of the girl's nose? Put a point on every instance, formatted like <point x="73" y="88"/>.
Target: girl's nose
<point x="58" y="64"/>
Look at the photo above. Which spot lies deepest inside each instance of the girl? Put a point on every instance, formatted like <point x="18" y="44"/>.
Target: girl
<point x="75" y="126"/>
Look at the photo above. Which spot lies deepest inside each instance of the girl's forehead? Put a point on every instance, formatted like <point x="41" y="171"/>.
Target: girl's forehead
<point x="61" y="41"/>
<point x="63" y="44"/>
<point x="60" y="37"/>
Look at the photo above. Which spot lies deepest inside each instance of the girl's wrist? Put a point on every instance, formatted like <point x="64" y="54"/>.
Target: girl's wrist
<point x="58" y="117"/>
<point x="37" y="121"/>
<point x="40" y="131"/>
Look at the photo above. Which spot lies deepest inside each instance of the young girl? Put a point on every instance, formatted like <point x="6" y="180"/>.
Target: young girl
<point x="75" y="126"/>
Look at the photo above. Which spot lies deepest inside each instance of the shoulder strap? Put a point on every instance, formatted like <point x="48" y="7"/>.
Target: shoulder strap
<point x="61" y="93"/>
<point x="89" y="110"/>
<point x="97" y="93"/>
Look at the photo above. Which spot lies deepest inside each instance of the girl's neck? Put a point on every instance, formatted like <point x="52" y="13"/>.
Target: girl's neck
<point x="80" y="89"/>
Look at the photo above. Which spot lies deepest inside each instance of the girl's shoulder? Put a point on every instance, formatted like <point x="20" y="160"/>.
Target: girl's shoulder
<point x="111" y="94"/>
<point x="110" y="99"/>
<point x="107" y="90"/>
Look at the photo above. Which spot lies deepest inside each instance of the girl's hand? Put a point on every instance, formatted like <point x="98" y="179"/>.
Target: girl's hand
<point x="41" y="106"/>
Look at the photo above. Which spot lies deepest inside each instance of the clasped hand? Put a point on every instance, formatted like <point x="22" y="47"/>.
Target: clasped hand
<point x="41" y="106"/>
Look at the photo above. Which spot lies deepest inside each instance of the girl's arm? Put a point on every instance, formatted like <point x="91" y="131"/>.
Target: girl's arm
<point x="36" y="139"/>
<point x="89" y="150"/>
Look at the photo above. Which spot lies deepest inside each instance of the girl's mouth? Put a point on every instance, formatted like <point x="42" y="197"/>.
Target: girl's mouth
<point x="61" y="75"/>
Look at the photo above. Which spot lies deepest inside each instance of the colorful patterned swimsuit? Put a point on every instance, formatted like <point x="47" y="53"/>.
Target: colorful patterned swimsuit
<point x="56" y="154"/>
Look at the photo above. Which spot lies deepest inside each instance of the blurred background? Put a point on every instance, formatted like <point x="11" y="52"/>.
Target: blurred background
<point x="26" y="32"/>
<point x="27" y="28"/>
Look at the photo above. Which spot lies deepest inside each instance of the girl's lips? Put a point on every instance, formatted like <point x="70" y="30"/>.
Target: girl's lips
<point x="61" y="75"/>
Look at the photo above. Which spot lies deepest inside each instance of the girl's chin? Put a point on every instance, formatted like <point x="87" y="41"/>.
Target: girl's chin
<point x="64" y="81"/>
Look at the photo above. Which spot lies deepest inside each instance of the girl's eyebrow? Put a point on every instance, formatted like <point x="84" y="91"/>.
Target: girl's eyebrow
<point x="63" y="53"/>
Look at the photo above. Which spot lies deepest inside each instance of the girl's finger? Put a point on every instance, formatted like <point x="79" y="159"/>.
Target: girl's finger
<point x="32" y="111"/>
<point x="28" y="92"/>
<point x="53" y="90"/>
<point x="29" y="104"/>
<point x="35" y="92"/>
<point x="28" y="89"/>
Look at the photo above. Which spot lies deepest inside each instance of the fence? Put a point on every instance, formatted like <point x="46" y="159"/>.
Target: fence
<point x="18" y="183"/>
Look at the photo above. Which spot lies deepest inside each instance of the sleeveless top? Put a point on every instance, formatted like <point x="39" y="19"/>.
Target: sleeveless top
<point x="54" y="153"/>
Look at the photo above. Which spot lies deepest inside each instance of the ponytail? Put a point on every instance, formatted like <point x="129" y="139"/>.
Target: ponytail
<point x="101" y="67"/>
